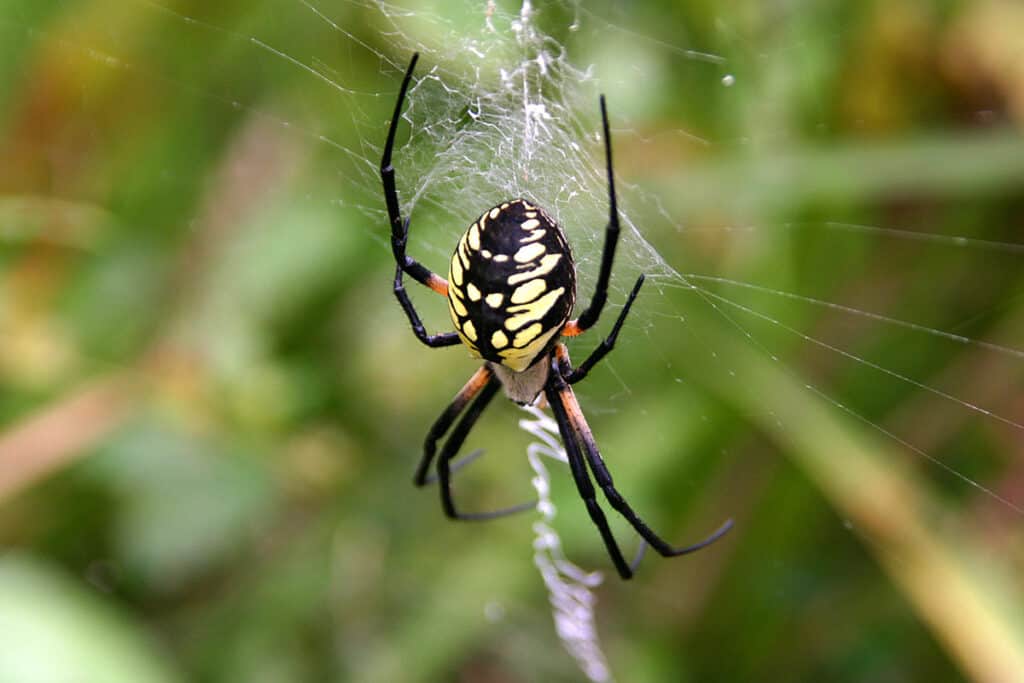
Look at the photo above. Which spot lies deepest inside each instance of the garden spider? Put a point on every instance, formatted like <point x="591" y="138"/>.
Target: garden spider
<point x="511" y="288"/>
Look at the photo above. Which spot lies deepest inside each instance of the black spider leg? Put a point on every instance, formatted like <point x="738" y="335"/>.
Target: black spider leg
<point x="432" y="340"/>
<point x="553" y="391"/>
<point x="565" y="402"/>
<point x="400" y="234"/>
<point x="400" y="227"/>
<point x="615" y="499"/>
<point x="590" y="315"/>
<point x="444" y="421"/>
<point x="459" y="464"/>
<point x="452" y="446"/>
<point x="573" y="375"/>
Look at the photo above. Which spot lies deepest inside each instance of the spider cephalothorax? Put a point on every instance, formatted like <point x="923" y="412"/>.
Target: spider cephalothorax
<point x="511" y="289"/>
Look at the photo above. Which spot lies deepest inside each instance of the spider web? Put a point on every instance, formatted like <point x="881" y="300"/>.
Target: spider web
<point x="505" y="104"/>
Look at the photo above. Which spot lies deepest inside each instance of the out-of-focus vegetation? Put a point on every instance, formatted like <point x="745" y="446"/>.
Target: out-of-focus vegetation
<point x="211" y="407"/>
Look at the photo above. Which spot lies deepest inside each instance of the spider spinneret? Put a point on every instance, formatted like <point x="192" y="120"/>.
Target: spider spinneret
<point x="511" y="289"/>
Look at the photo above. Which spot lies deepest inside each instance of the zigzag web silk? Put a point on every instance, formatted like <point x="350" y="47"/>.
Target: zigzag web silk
<point x="500" y="109"/>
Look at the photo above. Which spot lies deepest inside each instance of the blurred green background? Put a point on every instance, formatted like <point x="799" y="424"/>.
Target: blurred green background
<point x="211" y="406"/>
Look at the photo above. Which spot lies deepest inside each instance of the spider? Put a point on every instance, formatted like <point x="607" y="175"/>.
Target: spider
<point x="511" y="288"/>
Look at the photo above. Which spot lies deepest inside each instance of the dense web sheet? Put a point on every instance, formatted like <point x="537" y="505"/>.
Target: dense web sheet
<point x="504" y="104"/>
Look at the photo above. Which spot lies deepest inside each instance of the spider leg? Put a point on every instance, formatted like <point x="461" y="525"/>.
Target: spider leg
<point x="477" y="382"/>
<point x="590" y="315"/>
<point x="400" y="227"/>
<point x="432" y="340"/>
<point x="459" y="464"/>
<point x="553" y="392"/>
<point x="575" y="375"/>
<point x="564" y="401"/>
<point x="452" y="446"/>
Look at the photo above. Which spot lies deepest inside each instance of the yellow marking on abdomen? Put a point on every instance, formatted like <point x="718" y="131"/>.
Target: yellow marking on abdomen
<point x="474" y="293"/>
<point x="520" y="359"/>
<point x="534" y="236"/>
<point x="531" y="252"/>
<point x="499" y="340"/>
<point x="474" y="237"/>
<point x="530" y="224"/>
<point x="469" y="329"/>
<point x="456" y="305"/>
<point x="494" y="300"/>
<point x="533" y="311"/>
<point x="527" y="335"/>
<point x="547" y="264"/>
<point x="455" y="274"/>
<point x="528" y="292"/>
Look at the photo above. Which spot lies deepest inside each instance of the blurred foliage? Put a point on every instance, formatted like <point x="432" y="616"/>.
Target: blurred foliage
<point x="210" y="406"/>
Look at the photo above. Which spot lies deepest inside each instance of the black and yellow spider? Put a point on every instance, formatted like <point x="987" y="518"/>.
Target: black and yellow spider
<point x="511" y="288"/>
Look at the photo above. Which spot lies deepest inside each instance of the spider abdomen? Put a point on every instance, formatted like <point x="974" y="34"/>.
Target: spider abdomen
<point x="511" y="284"/>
